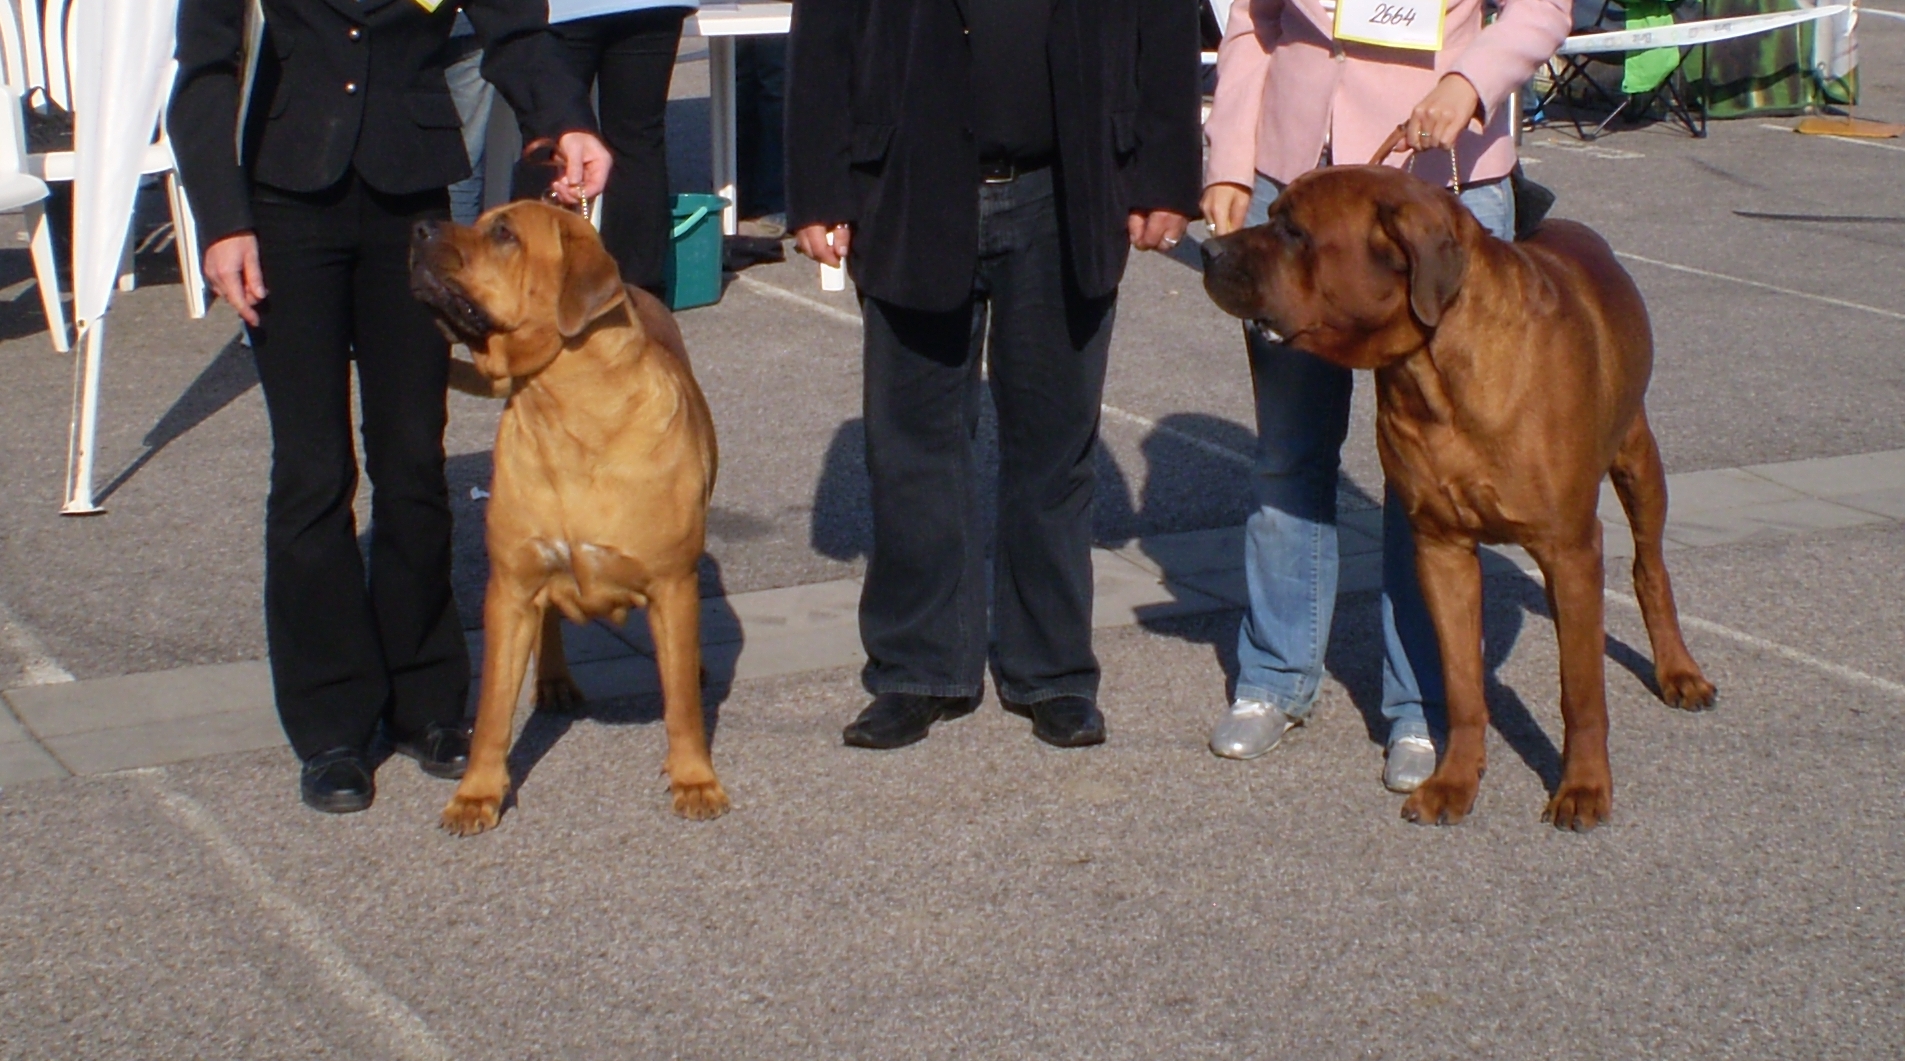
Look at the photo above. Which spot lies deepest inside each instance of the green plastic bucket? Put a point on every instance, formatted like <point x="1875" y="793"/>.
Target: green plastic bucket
<point x="692" y="274"/>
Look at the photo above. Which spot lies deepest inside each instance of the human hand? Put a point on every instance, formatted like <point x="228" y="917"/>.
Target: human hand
<point x="1155" y="230"/>
<point x="231" y="267"/>
<point x="812" y="241"/>
<point x="586" y="162"/>
<point x="1442" y="114"/>
<point x="1224" y="207"/>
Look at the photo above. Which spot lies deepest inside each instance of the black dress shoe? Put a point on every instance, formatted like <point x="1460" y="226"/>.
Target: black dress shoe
<point x="442" y="751"/>
<point x="337" y="782"/>
<point x="894" y="720"/>
<point x="1063" y="721"/>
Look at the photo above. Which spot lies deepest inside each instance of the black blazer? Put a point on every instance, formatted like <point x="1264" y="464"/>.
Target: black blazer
<point x="344" y="83"/>
<point x="879" y="102"/>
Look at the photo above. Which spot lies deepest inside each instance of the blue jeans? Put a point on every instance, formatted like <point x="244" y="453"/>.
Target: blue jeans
<point x="473" y="97"/>
<point x="1290" y="551"/>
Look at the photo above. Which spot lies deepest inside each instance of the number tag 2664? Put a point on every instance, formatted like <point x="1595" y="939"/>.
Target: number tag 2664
<point x="1412" y="24"/>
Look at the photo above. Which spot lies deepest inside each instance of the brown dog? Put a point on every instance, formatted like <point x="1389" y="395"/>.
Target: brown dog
<point x="1509" y="381"/>
<point x="604" y="463"/>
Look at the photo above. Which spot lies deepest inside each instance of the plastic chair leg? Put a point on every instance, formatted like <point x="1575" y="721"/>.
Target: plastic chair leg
<point x="127" y="280"/>
<point x="185" y="241"/>
<point x="46" y="271"/>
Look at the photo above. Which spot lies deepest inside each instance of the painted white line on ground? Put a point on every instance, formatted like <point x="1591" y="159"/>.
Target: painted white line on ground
<point x="1837" y="670"/>
<point x="1861" y="141"/>
<point x="776" y="291"/>
<point x="36" y="663"/>
<point x="846" y="317"/>
<point x="409" y="1036"/>
<point x="1203" y="445"/>
<point x="1827" y="299"/>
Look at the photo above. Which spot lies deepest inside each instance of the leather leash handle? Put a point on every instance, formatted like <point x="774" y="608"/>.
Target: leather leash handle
<point x="1389" y="146"/>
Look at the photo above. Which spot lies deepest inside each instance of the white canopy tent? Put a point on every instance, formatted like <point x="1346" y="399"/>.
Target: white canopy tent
<point x="122" y="74"/>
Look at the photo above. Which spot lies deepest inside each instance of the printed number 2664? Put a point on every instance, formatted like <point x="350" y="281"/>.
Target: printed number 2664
<point x="1393" y="15"/>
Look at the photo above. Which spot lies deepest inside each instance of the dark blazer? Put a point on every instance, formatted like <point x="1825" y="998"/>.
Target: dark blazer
<point x="879" y="101"/>
<point x="344" y="83"/>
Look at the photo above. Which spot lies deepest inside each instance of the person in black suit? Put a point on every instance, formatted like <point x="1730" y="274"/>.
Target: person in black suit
<point x="351" y="138"/>
<point x="989" y="164"/>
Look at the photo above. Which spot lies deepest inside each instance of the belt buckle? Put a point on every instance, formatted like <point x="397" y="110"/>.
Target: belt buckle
<point x="1002" y="172"/>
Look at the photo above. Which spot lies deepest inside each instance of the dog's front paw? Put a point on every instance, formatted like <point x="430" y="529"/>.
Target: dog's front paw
<point x="1688" y="690"/>
<point x="559" y="694"/>
<point x="699" y="800"/>
<point x="469" y="813"/>
<point x="1580" y="805"/>
<point x="1441" y="801"/>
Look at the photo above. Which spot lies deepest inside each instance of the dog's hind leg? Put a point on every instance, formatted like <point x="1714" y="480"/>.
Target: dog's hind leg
<point x="556" y="689"/>
<point x="1573" y="572"/>
<point x="509" y="635"/>
<point x="674" y="618"/>
<point x="1641" y="483"/>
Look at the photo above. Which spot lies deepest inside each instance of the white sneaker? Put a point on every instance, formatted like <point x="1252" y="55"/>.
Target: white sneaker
<point x="1411" y="761"/>
<point x="1249" y="729"/>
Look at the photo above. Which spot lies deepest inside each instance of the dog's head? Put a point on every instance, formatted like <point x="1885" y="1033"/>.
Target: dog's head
<point x="523" y="282"/>
<point x="1357" y="264"/>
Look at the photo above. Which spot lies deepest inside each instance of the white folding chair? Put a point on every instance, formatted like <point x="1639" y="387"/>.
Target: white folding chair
<point x="56" y="51"/>
<point x="20" y="190"/>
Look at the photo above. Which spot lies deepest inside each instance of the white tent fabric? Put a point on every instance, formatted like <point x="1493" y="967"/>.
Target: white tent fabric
<point x="122" y="68"/>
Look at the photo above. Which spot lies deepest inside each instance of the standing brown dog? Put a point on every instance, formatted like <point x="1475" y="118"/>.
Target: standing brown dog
<point x="604" y="463"/>
<point x="1509" y="381"/>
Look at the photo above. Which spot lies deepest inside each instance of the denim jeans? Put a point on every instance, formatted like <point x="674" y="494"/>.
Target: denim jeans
<point x="473" y="97"/>
<point x="1290" y="549"/>
<point x="924" y="608"/>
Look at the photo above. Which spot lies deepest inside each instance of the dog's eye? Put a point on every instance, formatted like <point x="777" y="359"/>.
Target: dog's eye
<point x="502" y="233"/>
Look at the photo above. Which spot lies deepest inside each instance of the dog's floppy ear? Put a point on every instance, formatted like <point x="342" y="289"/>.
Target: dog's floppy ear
<point x="1437" y="258"/>
<point x="591" y="284"/>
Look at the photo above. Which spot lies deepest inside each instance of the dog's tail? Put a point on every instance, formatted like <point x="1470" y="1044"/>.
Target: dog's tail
<point x="465" y="377"/>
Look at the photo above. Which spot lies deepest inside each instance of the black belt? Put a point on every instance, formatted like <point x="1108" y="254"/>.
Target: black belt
<point x="1007" y="170"/>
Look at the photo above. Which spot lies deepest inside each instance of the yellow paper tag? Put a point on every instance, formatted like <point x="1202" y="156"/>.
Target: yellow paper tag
<point x="430" y="5"/>
<point x="1411" y="24"/>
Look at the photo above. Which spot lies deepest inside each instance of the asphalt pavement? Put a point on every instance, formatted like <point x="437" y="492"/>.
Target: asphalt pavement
<point x="982" y="895"/>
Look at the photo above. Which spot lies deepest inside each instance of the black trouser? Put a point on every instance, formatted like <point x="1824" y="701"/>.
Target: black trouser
<point x="924" y="608"/>
<point x="629" y="58"/>
<point x="347" y="649"/>
<point x="760" y="93"/>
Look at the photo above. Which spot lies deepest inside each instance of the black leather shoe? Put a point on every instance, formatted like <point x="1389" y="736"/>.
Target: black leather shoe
<point x="337" y="782"/>
<point x="441" y="751"/>
<point x="894" y="720"/>
<point x="1063" y="721"/>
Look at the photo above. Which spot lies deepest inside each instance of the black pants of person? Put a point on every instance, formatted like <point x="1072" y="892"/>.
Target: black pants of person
<point x="350" y="648"/>
<point x="923" y="611"/>
<point x="760" y="93"/>
<point x="629" y="58"/>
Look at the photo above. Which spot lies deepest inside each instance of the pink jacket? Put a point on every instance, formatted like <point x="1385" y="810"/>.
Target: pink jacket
<point x="1285" y="88"/>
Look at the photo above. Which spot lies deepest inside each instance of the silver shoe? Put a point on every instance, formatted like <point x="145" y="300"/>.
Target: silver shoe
<point x="1411" y="761"/>
<point x="1250" y="728"/>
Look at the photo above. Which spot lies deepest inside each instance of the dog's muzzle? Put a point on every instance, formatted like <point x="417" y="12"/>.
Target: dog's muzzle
<point x="432" y="256"/>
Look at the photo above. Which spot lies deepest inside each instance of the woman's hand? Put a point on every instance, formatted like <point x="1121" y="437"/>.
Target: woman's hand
<point x="231" y="266"/>
<point x="1442" y="114"/>
<point x="586" y="161"/>
<point x="812" y="241"/>
<point x="1224" y="207"/>
<point x="1155" y="230"/>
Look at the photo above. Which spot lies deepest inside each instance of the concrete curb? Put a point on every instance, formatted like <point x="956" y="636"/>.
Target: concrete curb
<point x="105" y="724"/>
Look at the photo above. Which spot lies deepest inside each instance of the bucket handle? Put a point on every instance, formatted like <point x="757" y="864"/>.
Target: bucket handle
<point x="693" y="220"/>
